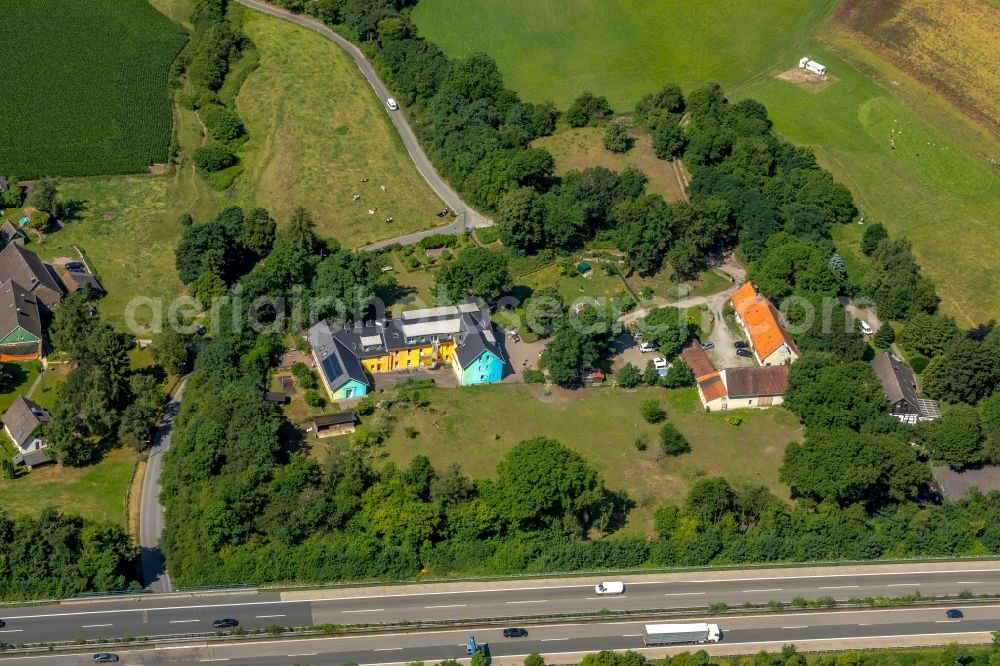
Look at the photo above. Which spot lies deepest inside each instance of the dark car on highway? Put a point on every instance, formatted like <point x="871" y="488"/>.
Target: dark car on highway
<point x="2" y="623"/>
<point x="955" y="614"/>
<point x="515" y="632"/>
<point x="225" y="623"/>
<point x="105" y="658"/>
<point x="745" y="353"/>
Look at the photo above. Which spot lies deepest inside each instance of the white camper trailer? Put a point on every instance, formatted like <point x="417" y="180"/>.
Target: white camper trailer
<point x="812" y="66"/>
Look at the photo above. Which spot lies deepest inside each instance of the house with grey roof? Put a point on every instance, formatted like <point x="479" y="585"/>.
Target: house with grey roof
<point x="10" y="233"/>
<point x="20" y="323"/>
<point x="21" y="422"/>
<point x="457" y="335"/>
<point x="900" y="389"/>
<point x="24" y="267"/>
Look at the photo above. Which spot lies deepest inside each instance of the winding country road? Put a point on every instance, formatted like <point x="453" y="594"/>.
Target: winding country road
<point x="466" y="217"/>
<point x="151" y="513"/>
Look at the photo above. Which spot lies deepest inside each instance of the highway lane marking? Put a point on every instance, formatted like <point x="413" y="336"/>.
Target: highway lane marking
<point x="902" y="584"/>
<point x="522" y="589"/>
<point x="386" y="649"/>
<point x="10" y="631"/>
<point x="367" y="610"/>
<point x="263" y="616"/>
<point x="216" y="659"/>
<point x="681" y="594"/>
<point x="945" y="621"/>
<point x="865" y="624"/>
<point x="839" y="587"/>
<point x="798" y="626"/>
<point x="972" y="582"/>
<point x="91" y="626"/>
<point x="772" y="589"/>
<point x="630" y="635"/>
<point x="304" y="654"/>
<point x="547" y="640"/>
<point x="449" y="606"/>
<point x="530" y="601"/>
<point x="183" y="621"/>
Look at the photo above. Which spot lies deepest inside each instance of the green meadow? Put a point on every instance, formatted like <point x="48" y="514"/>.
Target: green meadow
<point x="943" y="198"/>
<point x="555" y="49"/>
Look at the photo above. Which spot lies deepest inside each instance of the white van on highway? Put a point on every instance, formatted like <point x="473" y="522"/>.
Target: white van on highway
<point x="610" y="588"/>
<point x="391" y="103"/>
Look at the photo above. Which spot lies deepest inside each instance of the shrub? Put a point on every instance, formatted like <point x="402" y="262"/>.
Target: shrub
<point x="919" y="363"/>
<point x="365" y="406"/>
<point x="438" y="240"/>
<point x="640" y="442"/>
<point x="629" y="376"/>
<point x="672" y="442"/>
<point x="411" y="432"/>
<point x="305" y="376"/>
<point x="314" y="399"/>
<point x="884" y="336"/>
<point x="213" y="157"/>
<point x="652" y="411"/>
<point x="222" y="123"/>
<point x="533" y="376"/>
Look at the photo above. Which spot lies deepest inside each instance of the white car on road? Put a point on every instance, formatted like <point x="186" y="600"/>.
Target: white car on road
<point x="391" y="103"/>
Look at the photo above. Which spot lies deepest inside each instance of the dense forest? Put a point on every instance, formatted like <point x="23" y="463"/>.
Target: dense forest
<point x="56" y="556"/>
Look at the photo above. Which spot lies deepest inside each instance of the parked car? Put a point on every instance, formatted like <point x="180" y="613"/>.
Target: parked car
<point x="739" y="344"/>
<point x="647" y="347"/>
<point x="75" y="267"/>
<point x="866" y="327"/>
<point x="515" y="632"/>
<point x="660" y="363"/>
<point x="225" y="623"/>
<point x="391" y="103"/>
<point x="708" y="344"/>
<point x="745" y="353"/>
<point x="954" y="614"/>
<point x="105" y="658"/>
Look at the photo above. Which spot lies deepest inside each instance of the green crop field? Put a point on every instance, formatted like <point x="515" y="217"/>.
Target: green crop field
<point x="84" y="86"/>
<point x="555" y="49"/>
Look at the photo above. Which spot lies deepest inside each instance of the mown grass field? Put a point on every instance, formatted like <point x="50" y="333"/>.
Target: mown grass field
<point x="583" y="147"/>
<point x="936" y="187"/>
<point x="316" y="130"/>
<point x="475" y="426"/>
<point x="84" y="86"/>
<point x="555" y="49"/>
<point x="951" y="46"/>
<point x="98" y="492"/>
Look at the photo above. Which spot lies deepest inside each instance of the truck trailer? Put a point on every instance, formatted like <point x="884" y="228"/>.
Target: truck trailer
<point x="677" y="634"/>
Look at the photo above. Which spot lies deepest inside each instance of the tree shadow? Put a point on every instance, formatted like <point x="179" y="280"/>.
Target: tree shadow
<point x="12" y="375"/>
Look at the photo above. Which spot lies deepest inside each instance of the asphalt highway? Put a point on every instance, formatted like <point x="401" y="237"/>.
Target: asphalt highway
<point x="466" y="217"/>
<point x="749" y="634"/>
<point x="167" y="615"/>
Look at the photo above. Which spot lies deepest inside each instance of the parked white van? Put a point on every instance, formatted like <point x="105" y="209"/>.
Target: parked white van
<point x="610" y="588"/>
<point x="865" y="327"/>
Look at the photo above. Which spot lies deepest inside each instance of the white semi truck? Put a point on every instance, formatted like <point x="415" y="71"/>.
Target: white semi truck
<point x="676" y="634"/>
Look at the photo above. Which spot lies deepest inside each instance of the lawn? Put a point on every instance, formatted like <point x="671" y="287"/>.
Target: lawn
<point x="98" y="492"/>
<point x="934" y="188"/>
<point x="22" y="376"/>
<point x="583" y="147"/>
<point x="84" y="86"/>
<point x="475" y="426"/>
<point x="555" y="49"/>
<point x="316" y="130"/>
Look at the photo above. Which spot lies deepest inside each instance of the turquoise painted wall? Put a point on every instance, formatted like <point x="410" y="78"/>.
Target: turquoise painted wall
<point x="486" y="369"/>
<point x="352" y="389"/>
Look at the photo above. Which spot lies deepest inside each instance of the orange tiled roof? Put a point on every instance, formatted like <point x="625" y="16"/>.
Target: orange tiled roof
<point x="761" y="320"/>
<point x="697" y="360"/>
<point x="712" y="387"/>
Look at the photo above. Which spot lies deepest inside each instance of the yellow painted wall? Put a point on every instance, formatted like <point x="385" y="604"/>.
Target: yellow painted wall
<point x="409" y="358"/>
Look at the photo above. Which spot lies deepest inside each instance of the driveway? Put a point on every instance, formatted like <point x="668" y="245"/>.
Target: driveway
<point x="522" y="356"/>
<point x="466" y="217"/>
<point x="151" y="512"/>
